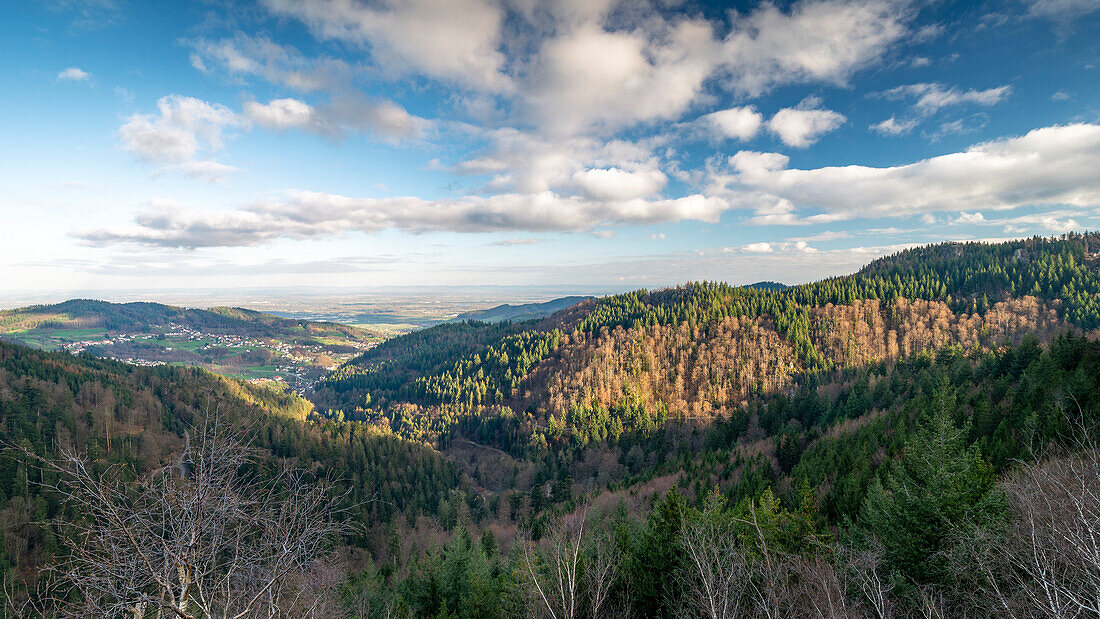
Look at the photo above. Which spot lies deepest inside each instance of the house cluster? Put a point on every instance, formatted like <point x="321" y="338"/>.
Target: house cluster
<point x="294" y="363"/>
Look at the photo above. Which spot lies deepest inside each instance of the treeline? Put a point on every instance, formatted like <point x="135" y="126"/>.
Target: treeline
<point x="969" y="277"/>
<point x="385" y="373"/>
<point x="926" y="297"/>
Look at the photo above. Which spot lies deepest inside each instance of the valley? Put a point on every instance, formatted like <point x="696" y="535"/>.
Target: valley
<point x="645" y="414"/>
<point x="240" y="343"/>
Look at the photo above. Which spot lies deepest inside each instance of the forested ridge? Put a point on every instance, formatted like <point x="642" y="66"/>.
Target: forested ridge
<point x="705" y="349"/>
<point x="914" y="439"/>
<point x="133" y="416"/>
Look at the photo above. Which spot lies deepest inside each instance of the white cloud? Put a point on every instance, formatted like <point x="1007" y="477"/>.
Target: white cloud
<point x="573" y="67"/>
<point x="515" y="242"/>
<point x="931" y="97"/>
<point x="344" y="115"/>
<point x="304" y="215"/>
<point x="592" y="78"/>
<point x="209" y="171"/>
<point x="452" y="40"/>
<point x="1052" y="165"/>
<point x="758" y="248"/>
<point x="73" y="74"/>
<point x="183" y="128"/>
<point x="526" y="163"/>
<point x="828" y="235"/>
<point x="243" y="55"/>
<point x="1058" y="223"/>
<point x="1062" y="10"/>
<point x="822" y="41"/>
<point x="893" y="127"/>
<point x="281" y="114"/>
<point x="616" y="184"/>
<point x="960" y="126"/>
<point x="768" y="248"/>
<point x="970" y="218"/>
<point x="741" y="123"/>
<point x="802" y="126"/>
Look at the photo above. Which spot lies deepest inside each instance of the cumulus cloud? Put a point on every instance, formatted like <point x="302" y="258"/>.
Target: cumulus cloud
<point x="573" y="67"/>
<point x="970" y="218"/>
<point x="73" y="74"/>
<point x="616" y="184"/>
<point x="757" y="248"/>
<point x="305" y="215"/>
<point x="183" y="128"/>
<point x="740" y="123"/>
<point x="768" y="248"/>
<point x="1057" y="223"/>
<point x="521" y="162"/>
<point x="822" y="41"/>
<point x="803" y="125"/>
<point x="281" y="114"/>
<point x="453" y="40"/>
<point x="1051" y="165"/>
<point x="591" y="77"/>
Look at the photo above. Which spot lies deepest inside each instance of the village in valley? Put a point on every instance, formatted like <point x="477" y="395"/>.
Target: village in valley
<point x="259" y="360"/>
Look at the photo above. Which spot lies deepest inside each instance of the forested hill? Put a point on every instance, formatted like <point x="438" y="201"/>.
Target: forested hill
<point x="706" y="349"/>
<point x="142" y="317"/>
<point x="119" y="414"/>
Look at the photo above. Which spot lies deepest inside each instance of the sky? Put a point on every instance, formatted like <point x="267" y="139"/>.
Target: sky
<point x="614" y="144"/>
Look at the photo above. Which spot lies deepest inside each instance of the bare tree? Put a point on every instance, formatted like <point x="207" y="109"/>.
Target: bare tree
<point x="558" y="585"/>
<point x="718" y="573"/>
<point x="813" y="587"/>
<point x="197" y="538"/>
<point x="1048" y="562"/>
<point x="599" y="574"/>
<point x="864" y="572"/>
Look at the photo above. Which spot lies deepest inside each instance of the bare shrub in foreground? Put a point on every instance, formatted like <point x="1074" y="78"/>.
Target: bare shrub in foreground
<point x="1047" y="562"/>
<point x="197" y="538"/>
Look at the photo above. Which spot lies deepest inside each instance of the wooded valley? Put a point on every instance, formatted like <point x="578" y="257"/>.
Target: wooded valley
<point x="918" y="438"/>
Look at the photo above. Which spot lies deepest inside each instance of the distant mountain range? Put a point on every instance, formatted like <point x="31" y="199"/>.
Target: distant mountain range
<point x="519" y="313"/>
<point x="141" y="317"/>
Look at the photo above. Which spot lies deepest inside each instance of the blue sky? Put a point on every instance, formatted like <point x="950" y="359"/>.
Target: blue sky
<point x="348" y="143"/>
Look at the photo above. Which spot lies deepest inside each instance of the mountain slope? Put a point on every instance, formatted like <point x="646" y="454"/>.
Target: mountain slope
<point x="708" y="349"/>
<point x="134" y="417"/>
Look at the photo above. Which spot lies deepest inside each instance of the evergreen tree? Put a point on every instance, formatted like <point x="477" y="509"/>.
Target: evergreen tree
<point x="939" y="486"/>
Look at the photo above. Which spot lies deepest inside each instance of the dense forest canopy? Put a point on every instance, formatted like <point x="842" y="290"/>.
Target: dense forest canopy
<point x="718" y="346"/>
